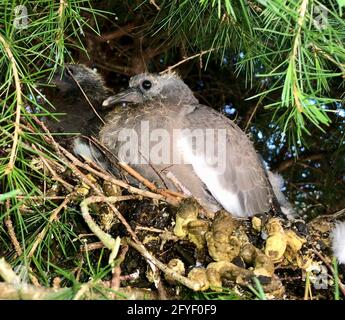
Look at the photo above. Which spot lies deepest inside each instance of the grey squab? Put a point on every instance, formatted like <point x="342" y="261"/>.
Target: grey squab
<point x="201" y="151"/>
<point x="75" y="94"/>
<point x="164" y="103"/>
<point x="246" y="186"/>
<point x="68" y="88"/>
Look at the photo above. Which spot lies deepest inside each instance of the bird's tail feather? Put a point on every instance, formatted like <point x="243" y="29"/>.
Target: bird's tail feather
<point x="89" y="152"/>
<point x="338" y="241"/>
<point x="277" y="182"/>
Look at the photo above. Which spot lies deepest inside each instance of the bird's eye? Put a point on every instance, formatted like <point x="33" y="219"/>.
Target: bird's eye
<point x="146" y="84"/>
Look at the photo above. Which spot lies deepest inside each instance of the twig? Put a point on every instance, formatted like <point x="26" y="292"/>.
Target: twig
<point x="107" y="240"/>
<point x="330" y="268"/>
<point x="296" y="43"/>
<point x="341" y="66"/>
<point x="153" y="168"/>
<point x="153" y="2"/>
<point x="92" y="246"/>
<point x="83" y="289"/>
<point x="41" y="197"/>
<point x="158" y="281"/>
<point x="149" y="229"/>
<point x="116" y="281"/>
<point x="169" y="272"/>
<point x="130" y="277"/>
<point x="138" y="176"/>
<point x="284" y="165"/>
<point x="7" y="273"/>
<point x="167" y="70"/>
<point x="121" y="31"/>
<point x="178" y="184"/>
<point x="166" y="193"/>
<point x="12" y="236"/>
<point x="62" y="6"/>
<point x="252" y="115"/>
<point x="307" y="289"/>
<point x="109" y="178"/>
<point x="68" y="186"/>
<point x="85" y="96"/>
<point x="33" y="279"/>
<point x="19" y="104"/>
<point x="334" y="216"/>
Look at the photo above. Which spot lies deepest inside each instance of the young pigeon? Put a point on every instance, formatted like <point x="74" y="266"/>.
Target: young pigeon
<point x="170" y="138"/>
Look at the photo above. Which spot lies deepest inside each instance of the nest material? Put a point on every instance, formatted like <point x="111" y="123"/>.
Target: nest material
<point x="170" y="234"/>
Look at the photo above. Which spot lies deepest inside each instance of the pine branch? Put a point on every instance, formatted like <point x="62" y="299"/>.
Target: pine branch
<point x="19" y="103"/>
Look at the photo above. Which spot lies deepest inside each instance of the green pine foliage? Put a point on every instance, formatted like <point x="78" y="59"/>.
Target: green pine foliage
<point x="300" y="43"/>
<point x="35" y="38"/>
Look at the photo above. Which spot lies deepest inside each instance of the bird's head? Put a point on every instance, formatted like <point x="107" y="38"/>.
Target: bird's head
<point x="146" y="87"/>
<point x="72" y="78"/>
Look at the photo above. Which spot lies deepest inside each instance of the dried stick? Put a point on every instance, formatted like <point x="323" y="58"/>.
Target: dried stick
<point x="56" y="177"/>
<point x="109" y="178"/>
<point x="252" y="115"/>
<point x="334" y="215"/>
<point x="166" y="193"/>
<point x="149" y="229"/>
<point x="85" y="96"/>
<point x="12" y="236"/>
<point x="13" y="289"/>
<point x="121" y="31"/>
<point x="7" y="273"/>
<point x="19" y="104"/>
<point x="138" y="176"/>
<point x="330" y="268"/>
<point x="165" y="269"/>
<point x="109" y="242"/>
<point x="116" y="281"/>
<point x="155" y="5"/>
<point x="178" y="184"/>
<point x="92" y="246"/>
<point x="167" y="70"/>
<point x="42" y="197"/>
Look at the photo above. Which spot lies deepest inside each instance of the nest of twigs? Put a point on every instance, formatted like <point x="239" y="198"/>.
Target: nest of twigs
<point x="160" y="244"/>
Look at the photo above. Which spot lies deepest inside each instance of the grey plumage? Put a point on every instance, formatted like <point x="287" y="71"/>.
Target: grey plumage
<point x="67" y="98"/>
<point x="166" y="102"/>
<point x="277" y="184"/>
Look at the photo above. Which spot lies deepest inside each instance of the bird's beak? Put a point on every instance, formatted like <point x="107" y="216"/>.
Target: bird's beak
<point x="131" y="95"/>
